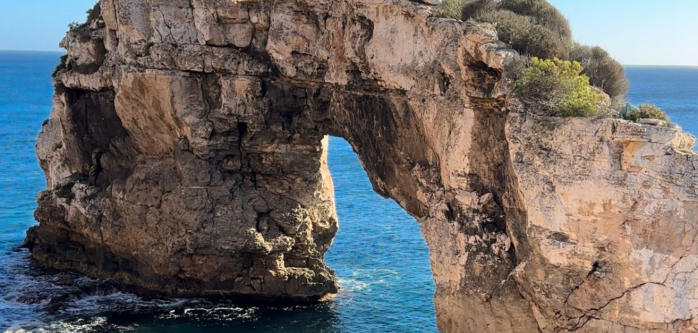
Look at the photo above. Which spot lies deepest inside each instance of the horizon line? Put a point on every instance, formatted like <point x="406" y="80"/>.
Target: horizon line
<point x="624" y="65"/>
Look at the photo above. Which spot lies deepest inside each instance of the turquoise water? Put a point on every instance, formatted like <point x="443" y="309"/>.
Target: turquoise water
<point x="378" y="254"/>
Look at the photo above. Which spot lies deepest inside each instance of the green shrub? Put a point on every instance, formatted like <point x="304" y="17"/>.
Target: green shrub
<point x="473" y="8"/>
<point x="560" y="86"/>
<point x="453" y="8"/>
<point x="603" y="71"/>
<point x="543" y="14"/>
<point x="525" y="35"/>
<point x="624" y="110"/>
<point x="72" y="26"/>
<point x="532" y="27"/>
<point x="644" y="111"/>
<point x="536" y="28"/>
<point x="464" y="9"/>
<point x="94" y="12"/>
<point x="92" y="15"/>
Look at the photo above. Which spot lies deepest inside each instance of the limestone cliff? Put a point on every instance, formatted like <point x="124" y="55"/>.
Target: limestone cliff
<point x="186" y="155"/>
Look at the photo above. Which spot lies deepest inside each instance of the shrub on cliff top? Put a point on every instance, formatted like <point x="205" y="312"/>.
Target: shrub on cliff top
<point x="559" y="86"/>
<point x="603" y="71"/>
<point x="542" y="13"/>
<point x="94" y="12"/>
<point x="453" y="8"/>
<point x="526" y="36"/>
<point x="644" y="111"/>
<point x="471" y="8"/>
<point x="536" y="28"/>
<point x="72" y="26"/>
<point x="533" y="27"/>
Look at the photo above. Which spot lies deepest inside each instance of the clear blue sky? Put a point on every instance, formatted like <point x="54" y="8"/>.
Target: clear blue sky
<point x="38" y="24"/>
<point x="637" y="32"/>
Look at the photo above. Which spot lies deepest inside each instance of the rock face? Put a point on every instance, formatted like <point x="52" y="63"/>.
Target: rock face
<point x="186" y="155"/>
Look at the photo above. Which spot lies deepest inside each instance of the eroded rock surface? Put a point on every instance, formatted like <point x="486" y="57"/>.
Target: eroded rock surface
<point x="186" y="155"/>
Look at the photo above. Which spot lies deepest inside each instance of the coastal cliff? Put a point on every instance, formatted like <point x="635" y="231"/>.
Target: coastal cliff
<point x="186" y="155"/>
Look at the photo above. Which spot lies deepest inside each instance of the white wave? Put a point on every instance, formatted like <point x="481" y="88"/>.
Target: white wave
<point x="95" y="324"/>
<point x="364" y="279"/>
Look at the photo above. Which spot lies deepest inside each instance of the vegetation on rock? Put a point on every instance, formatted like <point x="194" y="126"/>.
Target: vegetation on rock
<point x="524" y="34"/>
<point x="94" y="12"/>
<point x="72" y="26"/>
<point x="92" y="15"/>
<point x="535" y="28"/>
<point x="603" y="71"/>
<point x="559" y="86"/>
<point x="643" y="111"/>
<point x="453" y="8"/>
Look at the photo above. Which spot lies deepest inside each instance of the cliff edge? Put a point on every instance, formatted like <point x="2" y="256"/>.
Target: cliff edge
<point x="186" y="155"/>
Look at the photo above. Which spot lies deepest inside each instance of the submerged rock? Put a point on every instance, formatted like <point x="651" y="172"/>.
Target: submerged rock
<point x="186" y="155"/>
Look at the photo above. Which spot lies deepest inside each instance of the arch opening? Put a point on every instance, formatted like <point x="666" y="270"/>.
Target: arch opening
<point x="378" y="250"/>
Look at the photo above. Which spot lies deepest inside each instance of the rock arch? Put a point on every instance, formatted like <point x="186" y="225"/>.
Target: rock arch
<point x="185" y="155"/>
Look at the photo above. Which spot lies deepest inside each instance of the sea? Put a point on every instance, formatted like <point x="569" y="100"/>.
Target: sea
<point x="379" y="255"/>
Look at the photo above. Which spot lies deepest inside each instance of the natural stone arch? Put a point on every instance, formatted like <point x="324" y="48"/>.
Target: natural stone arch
<point x="185" y="156"/>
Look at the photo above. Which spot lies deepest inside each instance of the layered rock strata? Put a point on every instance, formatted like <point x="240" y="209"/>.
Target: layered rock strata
<point x="186" y="155"/>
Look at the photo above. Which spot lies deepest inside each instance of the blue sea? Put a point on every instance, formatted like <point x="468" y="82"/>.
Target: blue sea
<point x="378" y="254"/>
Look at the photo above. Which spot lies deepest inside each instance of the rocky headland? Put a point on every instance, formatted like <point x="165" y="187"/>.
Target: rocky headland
<point x="186" y="155"/>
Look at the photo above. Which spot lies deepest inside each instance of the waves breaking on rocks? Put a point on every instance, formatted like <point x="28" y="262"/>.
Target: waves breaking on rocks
<point x="69" y="302"/>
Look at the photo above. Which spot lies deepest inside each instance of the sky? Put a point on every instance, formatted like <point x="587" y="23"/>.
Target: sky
<point x="636" y="32"/>
<point x="38" y="25"/>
